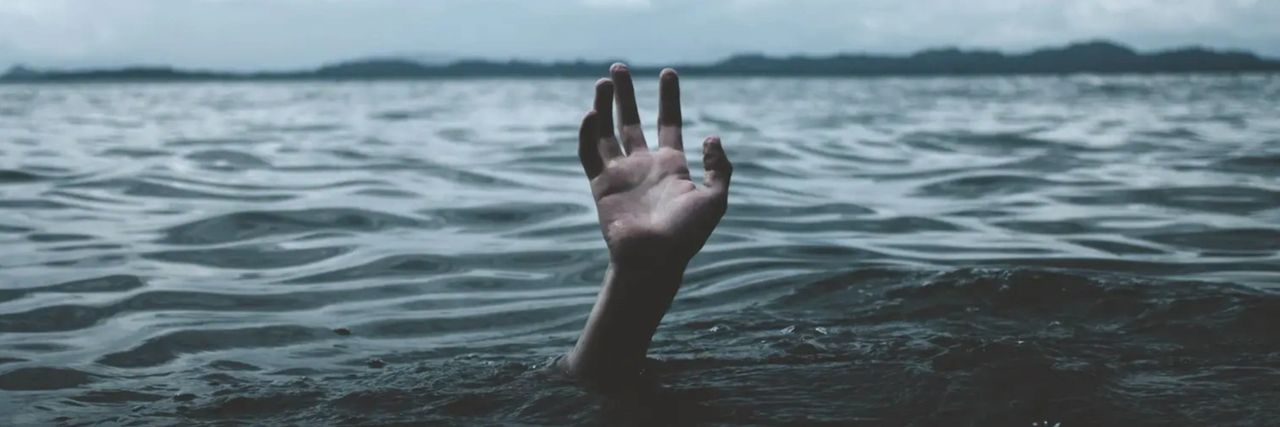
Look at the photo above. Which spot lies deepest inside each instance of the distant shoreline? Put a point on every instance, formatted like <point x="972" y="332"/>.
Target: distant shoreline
<point x="643" y="72"/>
<point x="1095" y="57"/>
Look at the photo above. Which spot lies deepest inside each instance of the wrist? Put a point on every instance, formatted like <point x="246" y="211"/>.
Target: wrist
<point x="648" y="287"/>
<point x="649" y="264"/>
<point x="649" y="267"/>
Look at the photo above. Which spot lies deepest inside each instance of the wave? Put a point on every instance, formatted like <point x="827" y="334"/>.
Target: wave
<point x="1003" y="250"/>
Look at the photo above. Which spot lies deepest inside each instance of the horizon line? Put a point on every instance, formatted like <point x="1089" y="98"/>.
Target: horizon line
<point x="408" y="58"/>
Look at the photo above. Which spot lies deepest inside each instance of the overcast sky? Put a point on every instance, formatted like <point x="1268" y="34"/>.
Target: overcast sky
<point x="283" y="34"/>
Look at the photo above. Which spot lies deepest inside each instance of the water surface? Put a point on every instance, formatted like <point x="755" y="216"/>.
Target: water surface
<point x="974" y="251"/>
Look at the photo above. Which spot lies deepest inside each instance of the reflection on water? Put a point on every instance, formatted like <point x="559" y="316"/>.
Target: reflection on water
<point x="1006" y="250"/>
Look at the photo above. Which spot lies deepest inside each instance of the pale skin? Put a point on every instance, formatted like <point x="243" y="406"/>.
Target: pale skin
<point x="654" y="219"/>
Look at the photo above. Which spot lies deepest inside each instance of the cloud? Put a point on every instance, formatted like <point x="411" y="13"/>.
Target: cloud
<point x="632" y="4"/>
<point x="282" y="34"/>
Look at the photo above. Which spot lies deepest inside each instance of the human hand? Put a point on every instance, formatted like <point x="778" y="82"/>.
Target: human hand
<point x="651" y="212"/>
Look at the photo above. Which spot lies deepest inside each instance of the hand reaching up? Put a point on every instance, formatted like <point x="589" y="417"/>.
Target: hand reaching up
<point x="650" y="210"/>
<point x="654" y="219"/>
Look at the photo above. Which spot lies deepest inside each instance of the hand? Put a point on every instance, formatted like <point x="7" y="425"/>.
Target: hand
<point x="653" y="217"/>
<point x="651" y="213"/>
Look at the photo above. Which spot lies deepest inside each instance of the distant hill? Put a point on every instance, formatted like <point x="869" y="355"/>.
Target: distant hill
<point x="1086" y="57"/>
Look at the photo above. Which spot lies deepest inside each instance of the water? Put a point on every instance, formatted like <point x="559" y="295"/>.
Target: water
<point x="977" y="251"/>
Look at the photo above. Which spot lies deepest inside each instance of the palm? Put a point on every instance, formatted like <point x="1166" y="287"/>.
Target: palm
<point x="649" y="209"/>
<point x="648" y="197"/>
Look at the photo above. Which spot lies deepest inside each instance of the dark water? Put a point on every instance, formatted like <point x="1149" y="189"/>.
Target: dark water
<point x="989" y="251"/>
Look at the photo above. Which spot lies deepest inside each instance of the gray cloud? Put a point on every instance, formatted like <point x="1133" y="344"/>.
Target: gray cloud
<point x="280" y="34"/>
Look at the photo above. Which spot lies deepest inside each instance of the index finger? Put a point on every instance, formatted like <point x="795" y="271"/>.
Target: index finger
<point x="628" y="115"/>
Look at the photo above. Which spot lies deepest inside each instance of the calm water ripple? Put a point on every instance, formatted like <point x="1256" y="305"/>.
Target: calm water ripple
<point x="976" y="251"/>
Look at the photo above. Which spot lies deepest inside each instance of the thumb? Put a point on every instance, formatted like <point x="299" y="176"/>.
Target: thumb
<point x="716" y="163"/>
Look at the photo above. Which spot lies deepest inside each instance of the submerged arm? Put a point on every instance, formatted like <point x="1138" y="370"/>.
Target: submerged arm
<point x="653" y="217"/>
<point x="617" y="335"/>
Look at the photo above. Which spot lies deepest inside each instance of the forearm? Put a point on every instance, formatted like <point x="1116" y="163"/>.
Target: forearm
<point x="631" y="303"/>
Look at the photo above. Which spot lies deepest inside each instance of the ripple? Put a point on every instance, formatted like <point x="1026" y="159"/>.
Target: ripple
<point x="404" y="115"/>
<point x="1083" y="250"/>
<point x="1051" y="227"/>
<point x="1118" y="248"/>
<point x="251" y="257"/>
<point x="43" y="378"/>
<point x="167" y="347"/>
<point x="17" y="177"/>
<point x="195" y="142"/>
<point x="116" y="397"/>
<point x="1238" y="239"/>
<point x="58" y="237"/>
<point x="1227" y="199"/>
<point x="1259" y="164"/>
<point x="75" y="317"/>
<point x="52" y="318"/>
<point x="32" y="204"/>
<point x="799" y="224"/>
<point x="231" y="365"/>
<point x="135" y="153"/>
<point x="986" y="185"/>
<point x="484" y="218"/>
<point x="774" y="210"/>
<point x="393" y="266"/>
<point x="999" y="142"/>
<point x="479" y="324"/>
<point x="112" y="283"/>
<point x="145" y="188"/>
<point x="228" y="160"/>
<point x="249" y="225"/>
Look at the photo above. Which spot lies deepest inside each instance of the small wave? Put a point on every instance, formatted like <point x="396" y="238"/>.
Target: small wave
<point x="8" y="176"/>
<point x="822" y="224"/>
<point x="1254" y="165"/>
<point x="111" y="283"/>
<point x="250" y="225"/>
<point x="987" y="185"/>
<point x="43" y="378"/>
<point x="897" y="251"/>
<point x="405" y="114"/>
<point x="217" y="142"/>
<point x="147" y="188"/>
<point x="248" y="257"/>
<point x="485" y="218"/>
<point x="169" y="346"/>
<point x="393" y="266"/>
<point x="228" y="160"/>
<point x="1118" y="247"/>
<point x="992" y="143"/>
<point x="1237" y="239"/>
<point x="1226" y="199"/>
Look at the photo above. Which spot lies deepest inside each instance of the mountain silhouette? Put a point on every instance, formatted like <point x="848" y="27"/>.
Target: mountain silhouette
<point x="1086" y="57"/>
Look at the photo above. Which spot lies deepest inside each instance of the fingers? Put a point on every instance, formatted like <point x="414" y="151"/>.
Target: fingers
<point x="718" y="168"/>
<point x="608" y="144"/>
<point x="588" y="141"/>
<point x="669" y="119"/>
<point x="628" y="113"/>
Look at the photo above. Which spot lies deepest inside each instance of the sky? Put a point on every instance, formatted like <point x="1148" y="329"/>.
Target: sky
<point x="293" y="34"/>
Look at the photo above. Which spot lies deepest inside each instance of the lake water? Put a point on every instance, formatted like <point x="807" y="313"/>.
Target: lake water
<point x="968" y="251"/>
